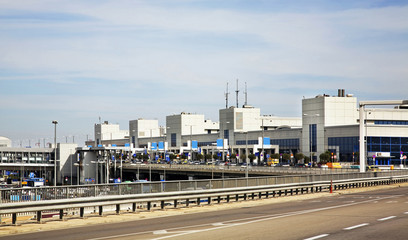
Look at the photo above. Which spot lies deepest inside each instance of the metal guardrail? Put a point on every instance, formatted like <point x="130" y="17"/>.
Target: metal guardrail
<point x="237" y="168"/>
<point x="71" y="192"/>
<point x="187" y="197"/>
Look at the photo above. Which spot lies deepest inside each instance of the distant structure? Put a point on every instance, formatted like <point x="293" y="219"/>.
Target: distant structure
<point x="5" y="142"/>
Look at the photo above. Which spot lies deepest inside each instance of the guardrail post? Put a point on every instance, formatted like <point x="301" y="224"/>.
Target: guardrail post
<point x="14" y="218"/>
<point x="209" y="200"/>
<point x="267" y="194"/>
<point x="39" y="216"/>
<point x="61" y="214"/>
<point x="219" y="199"/>
<point x="162" y="205"/>
<point x="236" y="197"/>
<point x="100" y="212"/>
<point x="81" y="212"/>
<point x="198" y="201"/>
<point x="260" y="195"/>
<point x="175" y="203"/>
<point x="117" y="208"/>
<point x="149" y="206"/>
<point x="187" y="202"/>
<point x="245" y="197"/>
<point x="228" y="198"/>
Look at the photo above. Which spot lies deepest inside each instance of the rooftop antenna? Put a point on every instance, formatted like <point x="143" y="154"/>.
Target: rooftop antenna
<point x="226" y="97"/>
<point x="246" y="95"/>
<point x="237" y="91"/>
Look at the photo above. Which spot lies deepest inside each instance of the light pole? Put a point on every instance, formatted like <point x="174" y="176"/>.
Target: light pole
<point x="55" y="122"/>
<point x="311" y="135"/>
<point x="77" y="165"/>
<point x="246" y="154"/>
<point x="70" y="154"/>
<point x="191" y="141"/>
<point x="223" y="137"/>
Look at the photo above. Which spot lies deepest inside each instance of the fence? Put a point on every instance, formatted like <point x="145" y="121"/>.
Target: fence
<point x="79" y="191"/>
<point x="145" y="201"/>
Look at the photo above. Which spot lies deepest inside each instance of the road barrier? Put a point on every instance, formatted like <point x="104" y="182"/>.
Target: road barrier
<point x="148" y="201"/>
<point x="79" y="191"/>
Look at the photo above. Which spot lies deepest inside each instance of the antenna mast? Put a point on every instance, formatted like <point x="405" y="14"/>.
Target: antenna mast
<point x="226" y="97"/>
<point x="246" y="95"/>
<point x="237" y="91"/>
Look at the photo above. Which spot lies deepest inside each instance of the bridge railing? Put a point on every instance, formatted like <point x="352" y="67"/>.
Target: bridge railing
<point x="70" y="192"/>
<point x="141" y="202"/>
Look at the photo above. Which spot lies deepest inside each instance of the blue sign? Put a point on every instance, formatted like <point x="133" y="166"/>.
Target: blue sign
<point x="113" y="145"/>
<point x="167" y="157"/>
<point x="89" y="146"/>
<point x="127" y="145"/>
<point x="220" y="143"/>
<point x="99" y="145"/>
<point x="194" y="144"/>
<point x="32" y="175"/>
<point x="266" y="141"/>
<point x="161" y="145"/>
<point x="154" y="146"/>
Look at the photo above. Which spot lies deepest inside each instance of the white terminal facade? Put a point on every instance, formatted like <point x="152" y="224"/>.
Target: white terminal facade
<point x="328" y="123"/>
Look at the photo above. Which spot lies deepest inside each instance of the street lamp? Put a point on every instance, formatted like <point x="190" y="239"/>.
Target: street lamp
<point x="77" y="165"/>
<point x="310" y="136"/>
<point x="246" y="154"/>
<point x="55" y="122"/>
<point x="191" y="141"/>
<point x="223" y="137"/>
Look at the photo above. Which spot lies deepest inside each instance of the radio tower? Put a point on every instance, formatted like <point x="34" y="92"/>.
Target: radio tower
<point x="226" y="97"/>
<point x="237" y="91"/>
<point x="246" y="95"/>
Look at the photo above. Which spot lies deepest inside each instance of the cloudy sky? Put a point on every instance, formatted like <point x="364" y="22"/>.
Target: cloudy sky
<point x="76" y="61"/>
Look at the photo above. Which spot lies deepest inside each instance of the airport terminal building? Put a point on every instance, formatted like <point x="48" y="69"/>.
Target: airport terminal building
<point x="328" y="123"/>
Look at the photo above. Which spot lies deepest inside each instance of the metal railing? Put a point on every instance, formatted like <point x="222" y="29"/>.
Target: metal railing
<point x="144" y="201"/>
<point x="79" y="191"/>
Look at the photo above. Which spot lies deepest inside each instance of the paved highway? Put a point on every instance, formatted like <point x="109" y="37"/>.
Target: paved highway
<point x="381" y="214"/>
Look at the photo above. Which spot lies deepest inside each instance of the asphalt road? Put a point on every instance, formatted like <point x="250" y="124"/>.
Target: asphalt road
<point x="381" y="214"/>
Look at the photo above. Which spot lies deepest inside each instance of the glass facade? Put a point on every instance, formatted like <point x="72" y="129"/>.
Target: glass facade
<point x="313" y="137"/>
<point x="382" y="122"/>
<point x="287" y="145"/>
<point x="392" y="145"/>
<point x="226" y="135"/>
<point x="346" y="145"/>
<point x="174" y="139"/>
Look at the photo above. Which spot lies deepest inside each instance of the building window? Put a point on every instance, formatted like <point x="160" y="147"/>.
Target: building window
<point x="226" y="134"/>
<point x="313" y="137"/>
<point x="174" y="139"/>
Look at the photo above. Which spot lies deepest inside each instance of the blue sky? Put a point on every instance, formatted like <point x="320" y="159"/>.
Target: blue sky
<point x="76" y="61"/>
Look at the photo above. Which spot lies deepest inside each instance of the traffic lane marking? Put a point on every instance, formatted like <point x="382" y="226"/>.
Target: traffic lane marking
<point x="386" y="218"/>
<point x="317" y="237"/>
<point x="356" y="226"/>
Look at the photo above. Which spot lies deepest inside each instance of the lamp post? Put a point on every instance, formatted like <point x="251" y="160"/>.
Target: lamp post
<point x="55" y="122"/>
<point x="191" y="141"/>
<point x="311" y="135"/>
<point x="77" y="165"/>
<point x="70" y="154"/>
<point x="223" y="137"/>
<point x="246" y="154"/>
